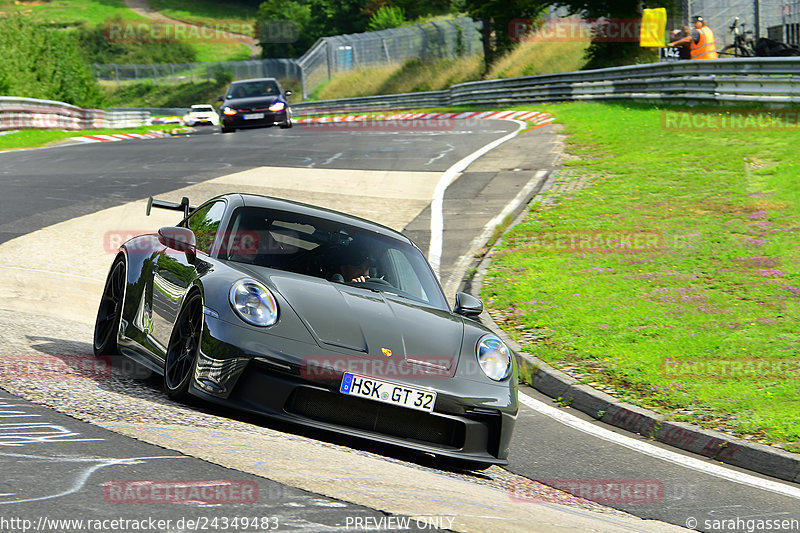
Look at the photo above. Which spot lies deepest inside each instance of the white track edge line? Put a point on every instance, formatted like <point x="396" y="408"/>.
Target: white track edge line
<point x="437" y="203"/>
<point x="654" y="451"/>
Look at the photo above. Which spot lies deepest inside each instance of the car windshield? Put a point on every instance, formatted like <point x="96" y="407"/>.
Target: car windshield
<point x="331" y="250"/>
<point x="252" y="89"/>
<point x="204" y="109"/>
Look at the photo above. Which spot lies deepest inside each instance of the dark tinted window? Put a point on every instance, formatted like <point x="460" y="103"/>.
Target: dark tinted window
<point x="323" y="248"/>
<point x="252" y="89"/>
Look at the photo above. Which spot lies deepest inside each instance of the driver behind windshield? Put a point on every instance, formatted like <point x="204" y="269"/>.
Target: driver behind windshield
<point x="354" y="265"/>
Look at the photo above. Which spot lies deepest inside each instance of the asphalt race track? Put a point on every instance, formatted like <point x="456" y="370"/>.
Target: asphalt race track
<point x="63" y="208"/>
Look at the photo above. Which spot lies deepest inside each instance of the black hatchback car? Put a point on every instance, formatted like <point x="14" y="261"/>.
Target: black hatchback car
<point x="255" y="103"/>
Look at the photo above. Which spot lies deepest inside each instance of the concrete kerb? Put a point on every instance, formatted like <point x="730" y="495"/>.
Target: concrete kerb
<point x="570" y="392"/>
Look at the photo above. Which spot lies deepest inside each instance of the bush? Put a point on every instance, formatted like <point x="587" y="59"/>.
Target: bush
<point x="44" y="62"/>
<point x="223" y="77"/>
<point x="97" y="48"/>
<point x="387" y="17"/>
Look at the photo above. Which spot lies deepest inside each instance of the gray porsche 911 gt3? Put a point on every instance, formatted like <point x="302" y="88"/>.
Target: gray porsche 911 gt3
<point x="314" y="317"/>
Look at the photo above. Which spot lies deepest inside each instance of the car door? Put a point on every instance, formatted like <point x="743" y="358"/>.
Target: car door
<point x="174" y="272"/>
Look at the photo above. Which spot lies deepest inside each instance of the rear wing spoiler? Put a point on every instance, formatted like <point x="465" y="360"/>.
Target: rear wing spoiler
<point x="182" y="206"/>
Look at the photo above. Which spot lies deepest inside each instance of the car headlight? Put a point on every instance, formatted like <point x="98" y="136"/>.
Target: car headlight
<point x="228" y="111"/>
<point x="494" y="357"/>
<point x="254" y="303"/>
<point x="277" y="106"/>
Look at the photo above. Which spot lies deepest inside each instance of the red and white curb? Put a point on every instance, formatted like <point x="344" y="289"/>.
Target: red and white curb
<point x="117" y="137"/>
<point x="537" y="118"/>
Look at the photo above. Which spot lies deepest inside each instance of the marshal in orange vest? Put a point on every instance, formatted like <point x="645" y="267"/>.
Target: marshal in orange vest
<point x="705" y="47"/>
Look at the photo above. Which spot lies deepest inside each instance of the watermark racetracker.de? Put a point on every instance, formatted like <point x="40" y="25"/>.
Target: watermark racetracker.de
<point x="570" y="29"/>
<point x="733" y="120"/>
<point x="586" y="241"/>
<point x="717" y="369"/>
<point x="606" y="491"/>
<point x="381" y="123"/>
<point x="180" y="492"/>
<point x="142" y="31"/>
<point x="49" y="367"/>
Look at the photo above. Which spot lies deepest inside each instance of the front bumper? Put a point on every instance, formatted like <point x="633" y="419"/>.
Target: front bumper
<point x="238" y="121"/>
<point x="264" y="374"/>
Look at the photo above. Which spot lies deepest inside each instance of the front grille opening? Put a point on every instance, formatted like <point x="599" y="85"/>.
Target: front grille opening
<point x="367" y="415"/>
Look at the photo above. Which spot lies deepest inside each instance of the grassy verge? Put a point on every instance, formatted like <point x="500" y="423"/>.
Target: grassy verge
<point x="532" y="58"/>
<point x="417" y="75"/>
<point x="205" y="11"/>
<point x="211" y="52"/>
<point x="673" y="279"/>
<point x="151" y="95"/>
<point x="413" y="75"/>
<point x="71" y="12"/>
<point x="148" y="94"/>
<point x="38" y="138"/>
<point x="98" y="12"/>
<point x="228" y="16"/>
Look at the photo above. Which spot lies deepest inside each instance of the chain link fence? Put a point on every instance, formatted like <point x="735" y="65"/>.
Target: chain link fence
<point x="329" y="55"/>
<point x="431" y="40"/>
<point x="169" y="73"/>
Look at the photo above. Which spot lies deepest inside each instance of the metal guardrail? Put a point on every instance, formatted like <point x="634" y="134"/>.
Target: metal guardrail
<point x="769" y="81"/>
<point x="27" y="113"/>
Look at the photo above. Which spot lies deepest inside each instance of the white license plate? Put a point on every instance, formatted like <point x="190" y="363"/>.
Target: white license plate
<point x="387" y="392"/>
<point x="253" y="116"/>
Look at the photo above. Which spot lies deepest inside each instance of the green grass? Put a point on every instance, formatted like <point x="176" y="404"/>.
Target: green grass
<point x="211" y="52"/>
<point x="665" y="325"/>
<point x="37" y="138"/>
<point x="71" y="12"/>
<point x="203" y="11"/>
<point x="416" y="75"/>
<point x="531" y="58"/>
<point x="413" y="75"/>
<point x="151" y="95"/>
<point x="148" y="94"/>
<point x="98" y="12"/>
<point x="227" y="16"/>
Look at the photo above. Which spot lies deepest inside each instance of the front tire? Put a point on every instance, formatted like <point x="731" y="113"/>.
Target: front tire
<point x="286" y="125"/>
<point x="223" y="129"/>
<point x="182" y="351"/>
<point x="106" y="326"/>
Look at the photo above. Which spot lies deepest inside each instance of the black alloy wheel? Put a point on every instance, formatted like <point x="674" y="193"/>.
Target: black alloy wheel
<point x="106" y="327"/>
<point x="182" y="351"/>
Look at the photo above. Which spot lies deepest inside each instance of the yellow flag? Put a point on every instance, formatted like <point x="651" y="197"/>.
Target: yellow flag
<point x="654" y="27"/>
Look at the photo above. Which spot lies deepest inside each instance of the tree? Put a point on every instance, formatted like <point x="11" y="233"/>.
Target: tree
<point x="284" y="28"/>
<point x="496" y="16"/>
<point x="40" y="61"/>
<point x="609" y="54"/>
<point x="332" y="17"/>
<point x="415" y="9"/>
<point x="387" y="17"/>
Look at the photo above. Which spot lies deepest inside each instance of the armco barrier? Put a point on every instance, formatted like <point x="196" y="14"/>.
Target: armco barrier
<point x="26" y="113"/>
<point x="773" y="81"/>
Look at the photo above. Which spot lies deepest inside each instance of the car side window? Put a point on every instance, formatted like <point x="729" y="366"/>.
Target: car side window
<point x="205" y="222"/>
<point x="403" y="275"/>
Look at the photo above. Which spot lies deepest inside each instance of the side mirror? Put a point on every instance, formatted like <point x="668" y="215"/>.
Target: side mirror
<point x="180" y="239"/>
<point x="220" y="98"/>
<point x="467" y="305"/>
<point x="287" y="93"/>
